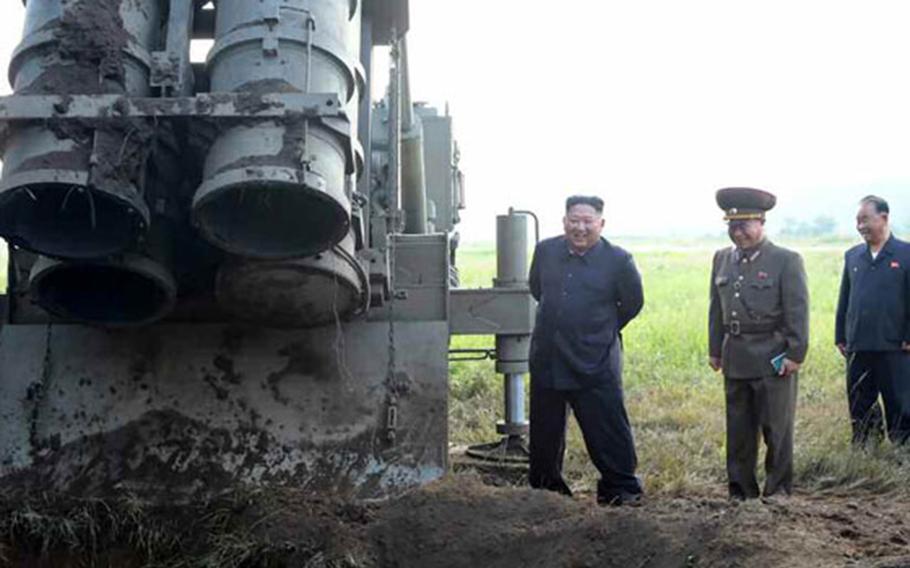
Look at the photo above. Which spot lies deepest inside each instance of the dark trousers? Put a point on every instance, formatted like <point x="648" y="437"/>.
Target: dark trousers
<point x="874" y="373"/>
<point x="760" y="407"/>
<point x="601" y="414"/>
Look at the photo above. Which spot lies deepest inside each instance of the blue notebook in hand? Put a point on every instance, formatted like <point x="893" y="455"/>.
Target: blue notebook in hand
<point x="778" y="362"/>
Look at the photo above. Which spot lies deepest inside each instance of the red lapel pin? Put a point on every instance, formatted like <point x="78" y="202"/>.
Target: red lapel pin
<point x="895" y="264"/>
<point x="762" y="275"/>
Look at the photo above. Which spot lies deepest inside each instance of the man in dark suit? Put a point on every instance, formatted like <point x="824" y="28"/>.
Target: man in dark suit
<point x="758" y="329"/>
<point x="587" y="290"/>
<point x="873" y="326"/>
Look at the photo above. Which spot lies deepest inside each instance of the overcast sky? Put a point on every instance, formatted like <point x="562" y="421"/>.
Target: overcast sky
<point x="654" y="104"/>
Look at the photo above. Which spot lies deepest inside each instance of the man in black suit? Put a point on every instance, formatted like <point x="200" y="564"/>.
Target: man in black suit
<point x="873" y="326"/>
<point x="587" y="290"/>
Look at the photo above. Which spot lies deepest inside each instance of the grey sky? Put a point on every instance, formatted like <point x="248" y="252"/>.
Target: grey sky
<point x="654" y="104"/>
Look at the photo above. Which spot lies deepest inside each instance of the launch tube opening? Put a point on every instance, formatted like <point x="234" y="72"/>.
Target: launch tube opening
<point x="271" y="219"/>
<point x="133" y="292"/>
<point x="66" y="220"/>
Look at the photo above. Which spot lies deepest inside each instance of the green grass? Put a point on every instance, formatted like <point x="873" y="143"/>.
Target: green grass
<point x="676" y="402"/>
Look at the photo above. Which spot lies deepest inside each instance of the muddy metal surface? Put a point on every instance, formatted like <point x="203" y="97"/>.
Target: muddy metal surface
<point x="88" y="53"/>
<point x="92" y="31"/>
<point x="179" y="411"/>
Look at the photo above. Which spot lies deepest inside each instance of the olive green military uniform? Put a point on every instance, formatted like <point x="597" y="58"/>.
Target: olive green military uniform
<point x="759" y="309"/>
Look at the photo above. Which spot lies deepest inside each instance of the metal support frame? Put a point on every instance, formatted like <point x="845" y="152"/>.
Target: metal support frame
<point x="506" y="311"/>
<point x="491" y="311"/>
<point x="413" y="184"/>
<point x="171" y="69"/>
<point x="89" y="109"/>
<point x="393" y="213"/>
<point x="215" y="105"/>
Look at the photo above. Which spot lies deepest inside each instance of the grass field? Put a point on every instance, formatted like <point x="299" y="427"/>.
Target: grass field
<point x="675" y="401"/>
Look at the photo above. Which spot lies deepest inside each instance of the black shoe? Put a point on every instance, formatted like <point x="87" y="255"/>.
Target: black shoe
<point x="623" y="499"/>
<point x="558" y="486"/>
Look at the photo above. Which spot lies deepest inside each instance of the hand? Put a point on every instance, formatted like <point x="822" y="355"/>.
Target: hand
<point x="714" y="363"/>
<point x="842" y="347"/>
<point x="788" y="368"/>
<point x="905" y="346"/>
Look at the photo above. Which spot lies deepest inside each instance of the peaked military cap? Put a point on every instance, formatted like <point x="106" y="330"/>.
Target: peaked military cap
<point x="743" y="203"/>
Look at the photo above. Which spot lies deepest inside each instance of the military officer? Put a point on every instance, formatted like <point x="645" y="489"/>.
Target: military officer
<point x="758" y="335"/>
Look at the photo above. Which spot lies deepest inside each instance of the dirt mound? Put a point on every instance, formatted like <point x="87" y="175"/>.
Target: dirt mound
<point x="460" y="522"/>
<point x="463" y="522"/>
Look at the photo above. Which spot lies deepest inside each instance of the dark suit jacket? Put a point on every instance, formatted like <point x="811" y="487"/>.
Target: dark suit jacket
<point x="872" y="311"/>
<point x="766" y="293"/>
<point x="583" y="303"/>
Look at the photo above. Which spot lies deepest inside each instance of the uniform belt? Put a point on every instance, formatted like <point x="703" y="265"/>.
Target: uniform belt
<point x="736" y="327"/>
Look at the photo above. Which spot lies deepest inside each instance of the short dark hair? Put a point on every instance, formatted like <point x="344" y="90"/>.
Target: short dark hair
<point x="881" y="206"/>
<point x="592" y="200"/>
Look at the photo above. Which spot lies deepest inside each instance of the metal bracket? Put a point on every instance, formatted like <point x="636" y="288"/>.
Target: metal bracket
<point x="271" y="12"/>
<point x="270" y="46"/>
<point x="377" y="265"/>
<point x="103" y="108"/>
<point x="214" y="105"/>
<point x="166" y="71"/>
<point x="456" y="355"/>
<point x="93" y="110"/>
<point x="491" y="311"/>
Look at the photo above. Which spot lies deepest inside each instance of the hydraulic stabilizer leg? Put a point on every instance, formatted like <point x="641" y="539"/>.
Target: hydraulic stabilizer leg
<point x="511" y="349"/>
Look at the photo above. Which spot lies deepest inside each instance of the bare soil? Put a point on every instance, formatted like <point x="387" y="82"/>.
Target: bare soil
<point x="461" y="521"/>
